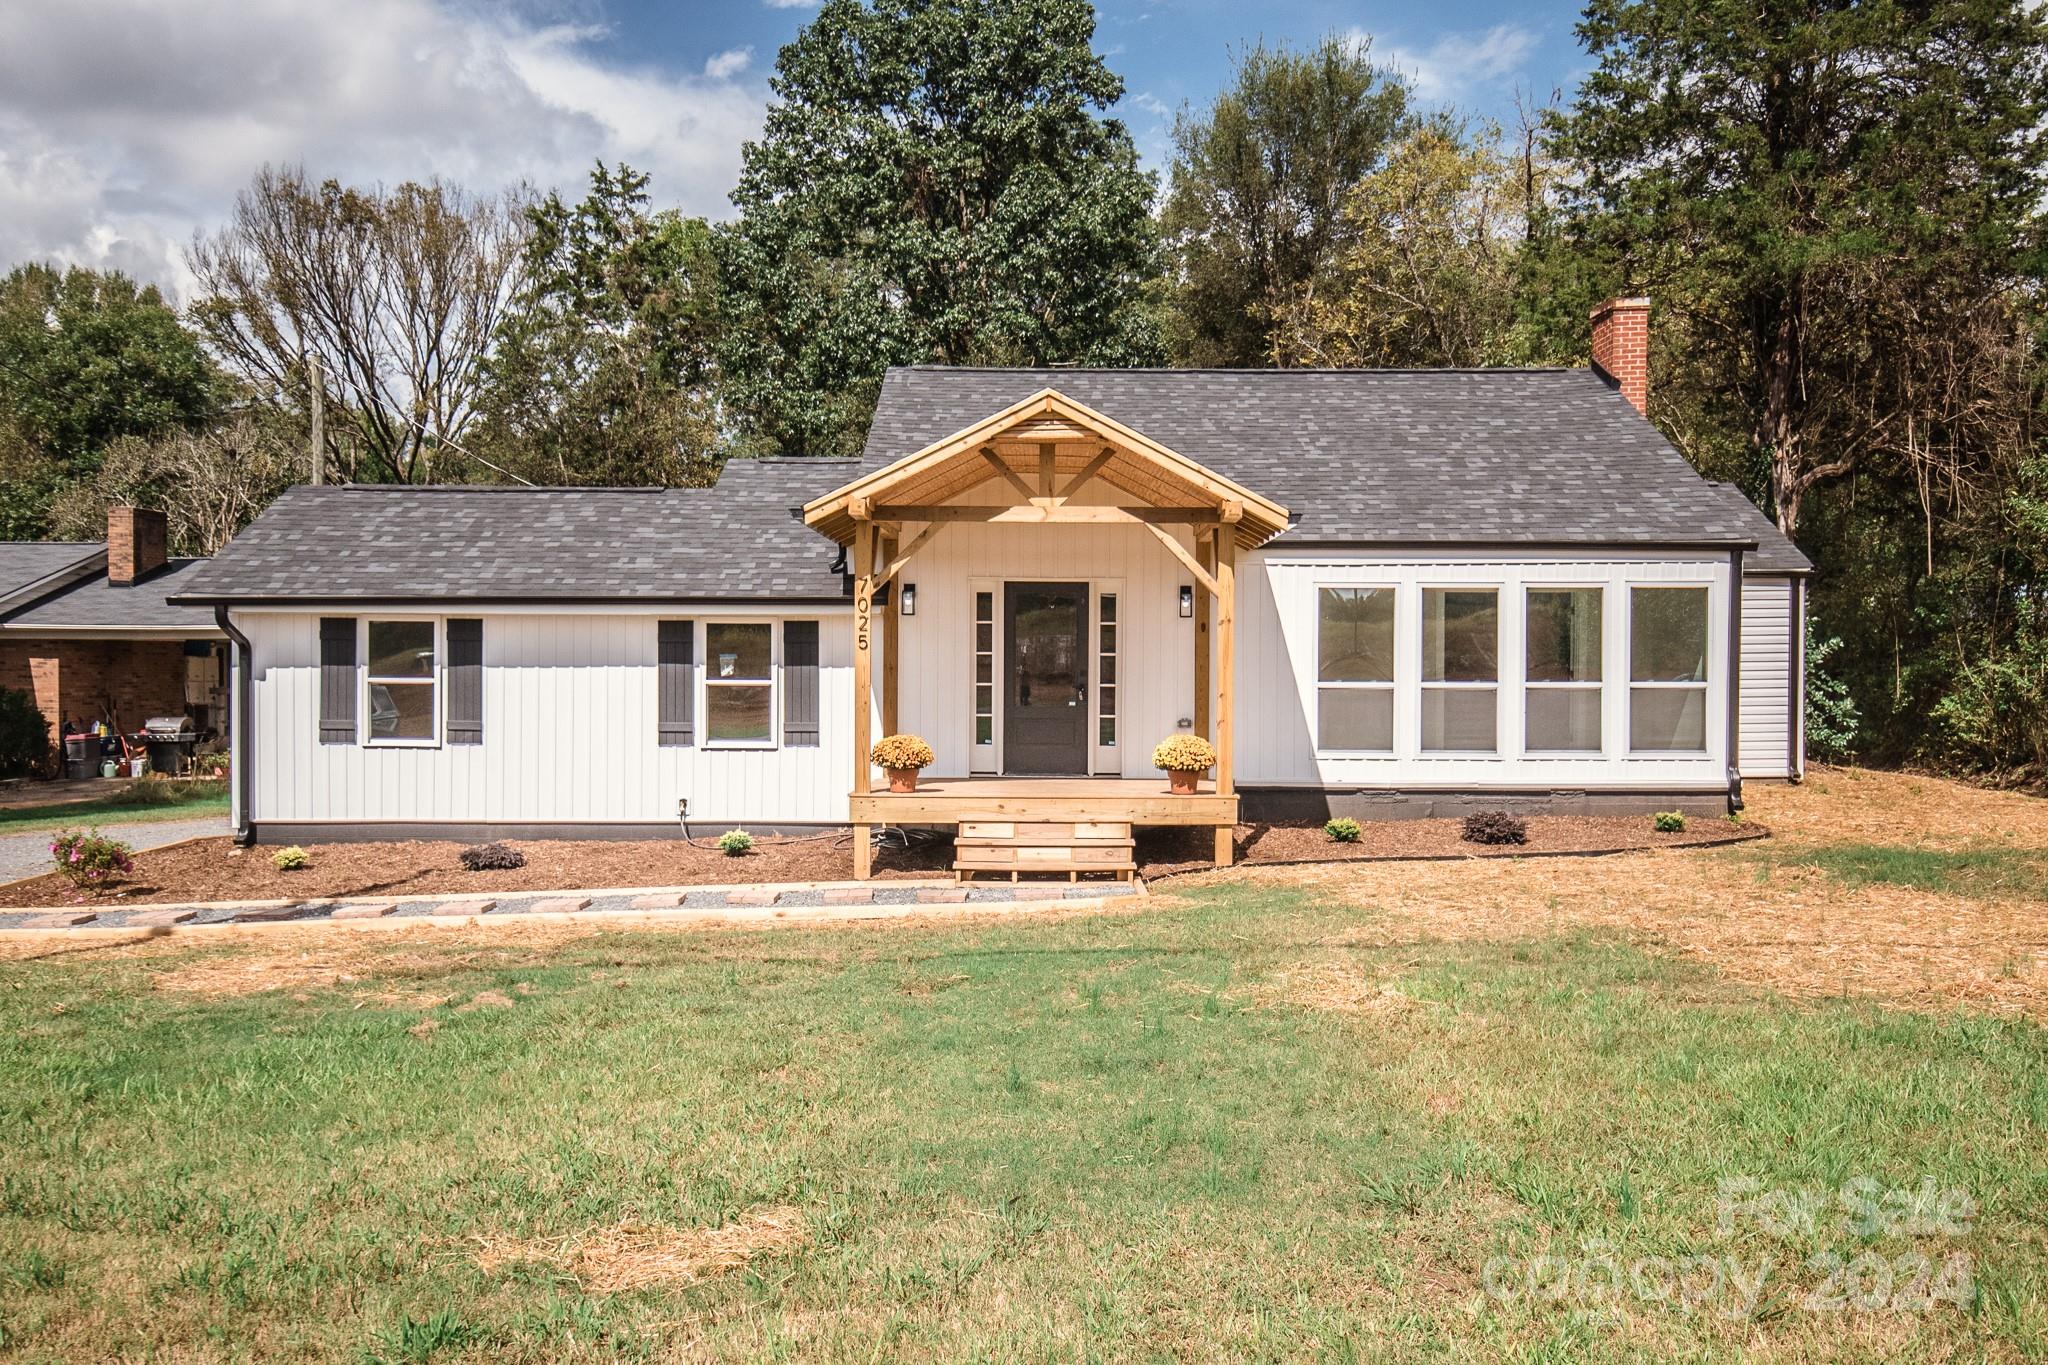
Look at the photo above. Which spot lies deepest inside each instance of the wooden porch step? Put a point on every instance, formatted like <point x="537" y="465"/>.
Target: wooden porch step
<point x="1017" y="847"/>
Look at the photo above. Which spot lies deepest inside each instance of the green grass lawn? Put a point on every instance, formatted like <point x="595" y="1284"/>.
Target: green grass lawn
<point x="1975" y="873"/>
<point x="1135" y="1137"/>
<point x="135" y="803"/>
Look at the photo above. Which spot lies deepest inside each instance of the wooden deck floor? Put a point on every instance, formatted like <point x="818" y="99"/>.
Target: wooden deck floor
<point x="1137" y="801"/>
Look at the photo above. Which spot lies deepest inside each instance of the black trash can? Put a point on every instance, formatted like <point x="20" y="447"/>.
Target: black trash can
<point x="81" y="756"/>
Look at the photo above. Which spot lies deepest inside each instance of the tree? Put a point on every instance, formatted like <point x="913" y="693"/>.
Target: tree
<point x="1830" y="193"/>
<point x="603" y="368"/>
<point x="1428" y="276"/>
<point x="397" y="293"/>
<point x="208" y="483"/>
<point x="85" y="358"/>
<point x="1254" y="218"/>
<point x="934" y="182"/>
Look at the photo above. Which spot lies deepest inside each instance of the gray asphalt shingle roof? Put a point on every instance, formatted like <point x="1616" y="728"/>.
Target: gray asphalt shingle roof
<point x="26" y="563"/>
<point x="1386" y="456"/>
<point x="1774" y="553"/>
<point x="94" y="603"/>
<point x="340" y="543"/>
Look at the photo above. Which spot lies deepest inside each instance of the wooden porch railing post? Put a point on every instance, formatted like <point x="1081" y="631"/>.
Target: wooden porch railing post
<point x="863" y="680"/>
<point x="1226" y="682"/>
<point x="1205" y="555"/>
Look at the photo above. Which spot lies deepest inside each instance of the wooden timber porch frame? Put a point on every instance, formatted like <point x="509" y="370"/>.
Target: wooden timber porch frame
<point x="1041" y="452"/>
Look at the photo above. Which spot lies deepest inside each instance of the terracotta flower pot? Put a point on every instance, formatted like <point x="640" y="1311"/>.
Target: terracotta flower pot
<point x="902" y="779"/>
<point x="1183" y="782"/>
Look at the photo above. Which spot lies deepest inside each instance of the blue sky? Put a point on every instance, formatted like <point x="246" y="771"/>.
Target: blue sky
<point x="128" y="125"/>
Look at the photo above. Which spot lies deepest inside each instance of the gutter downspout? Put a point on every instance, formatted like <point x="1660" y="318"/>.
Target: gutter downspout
<point x="242" y="739"/>
<point x="1733" y="682"/>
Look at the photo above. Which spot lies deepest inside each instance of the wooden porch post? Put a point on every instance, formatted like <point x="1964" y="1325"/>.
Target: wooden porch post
<point x="890" y="653"/>
<point x="1205" y="555"/>
<point x="863" y="678"/>
<point x="1226" y="681"/>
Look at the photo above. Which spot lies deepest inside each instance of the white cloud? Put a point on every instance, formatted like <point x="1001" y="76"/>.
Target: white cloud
<point x="120" y="136"/>
<point x="1152" y="104"/>
<point x="723" y="66"/>
<point x="792" y="4"/>
<point x="1457" y="63"/>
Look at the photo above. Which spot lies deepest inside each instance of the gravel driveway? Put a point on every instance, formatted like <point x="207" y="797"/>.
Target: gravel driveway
<point x="26" y="855"/>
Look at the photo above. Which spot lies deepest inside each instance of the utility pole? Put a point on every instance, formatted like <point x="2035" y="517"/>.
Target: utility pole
<point x="319" y="451"/>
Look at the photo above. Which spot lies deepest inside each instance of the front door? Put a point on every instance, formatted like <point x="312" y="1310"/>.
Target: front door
<point x="1045" y="658"/>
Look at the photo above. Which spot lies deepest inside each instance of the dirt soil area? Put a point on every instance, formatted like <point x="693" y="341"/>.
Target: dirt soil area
<point x="215" y="870"/>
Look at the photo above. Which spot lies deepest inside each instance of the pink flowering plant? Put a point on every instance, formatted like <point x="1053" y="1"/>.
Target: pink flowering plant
<point x="89" y="860"/>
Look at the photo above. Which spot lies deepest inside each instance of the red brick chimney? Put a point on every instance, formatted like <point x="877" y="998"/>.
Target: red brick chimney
<point x="1621" y="347"/>
<point x="135" y="544"/>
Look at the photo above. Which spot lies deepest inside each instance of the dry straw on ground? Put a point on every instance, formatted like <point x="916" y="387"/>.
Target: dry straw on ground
<point x="617" y="1260"/>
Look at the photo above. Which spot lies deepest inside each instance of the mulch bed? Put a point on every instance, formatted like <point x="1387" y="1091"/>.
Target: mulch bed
<point x="1164" y="852"/>
<point x="214" y="870"/>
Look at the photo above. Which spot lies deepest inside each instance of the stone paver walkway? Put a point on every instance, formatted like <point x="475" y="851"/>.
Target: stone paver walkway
<point x="756" y="901"/>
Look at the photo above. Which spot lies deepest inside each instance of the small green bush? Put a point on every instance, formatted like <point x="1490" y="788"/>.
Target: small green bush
<point x="1669" y="821"/>
<point x="1495" y="827"/>
<point x="736" y="843"/>
<point x="1343" y="830"/>
<point x="24" y="734"/>
<point x="89" y="860"/>
<point x="293" y="859"/>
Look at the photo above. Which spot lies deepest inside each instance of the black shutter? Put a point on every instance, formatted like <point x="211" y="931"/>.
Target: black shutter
<point x="800" y="684"/>
<point x="337" y="680"/>
<point x="675" y="685"/>
<point x="465" y="706"/>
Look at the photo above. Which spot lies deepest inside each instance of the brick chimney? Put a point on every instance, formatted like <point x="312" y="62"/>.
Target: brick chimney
<point x="1621" y="347"/>
<point x="135" y="544"/>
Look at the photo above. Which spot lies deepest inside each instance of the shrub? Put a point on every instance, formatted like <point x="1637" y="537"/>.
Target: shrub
<point x="89" y="860"/>
<point x="901" y="751"/>
<point x="1184" y="754"/>
<point x="1669" y="821"/>
<point x="293" y="859"/>
<point x="214" y="764"/>
<point x="1495" y="827"/>
<point x="1343" y="830"/>
<point x="1831" y="716"/>
<point x="492" y="858"/>
<point x="24" y="734"/>
<point x="736" y="843"/>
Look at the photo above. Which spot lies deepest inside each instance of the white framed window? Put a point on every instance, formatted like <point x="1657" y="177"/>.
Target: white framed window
<point x="1562" y="640"/>
<point x="401" y="701"/>
<point x="1355" y="669"/>
<point x="1460" y="670"/>
<point x="984" y="670"/>
<point x="1667" y="668"/>
<point x="739" y="684"/>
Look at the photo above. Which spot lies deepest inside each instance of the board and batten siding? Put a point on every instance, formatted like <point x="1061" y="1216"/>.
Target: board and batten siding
<point x="1276" y="651"/>
<point x="569" y="733"/>
<point x="1770" y="659"/>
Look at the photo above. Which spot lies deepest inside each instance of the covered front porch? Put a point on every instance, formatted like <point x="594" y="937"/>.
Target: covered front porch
<point x="1078" y="603"/>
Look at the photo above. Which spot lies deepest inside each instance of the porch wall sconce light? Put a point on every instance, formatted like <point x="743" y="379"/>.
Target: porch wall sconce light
<point x="909" y="607"/>
<point x="1187" y="601"/>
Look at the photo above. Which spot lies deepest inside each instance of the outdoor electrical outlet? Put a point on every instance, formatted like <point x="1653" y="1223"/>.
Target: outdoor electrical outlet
<point x="682" y="808"/>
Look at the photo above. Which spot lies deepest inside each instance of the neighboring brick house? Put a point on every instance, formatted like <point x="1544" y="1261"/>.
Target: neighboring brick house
<point x="85" y="629"/>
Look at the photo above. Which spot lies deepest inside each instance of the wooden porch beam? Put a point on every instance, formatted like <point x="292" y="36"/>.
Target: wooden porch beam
<point x="1205" y="555"/>
<point x="897" y="561"/>
<point x="1009" y="475"/>
<point x="1046" y="453"/>
<point x="1088" y="471"/>
<point x="1187" y="560"/>
<point x="890" y="653"/>
<point x="1037" y="511"/>
<point x="1226" y="686"/>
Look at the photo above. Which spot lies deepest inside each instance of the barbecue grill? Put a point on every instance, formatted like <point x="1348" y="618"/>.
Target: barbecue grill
<point x="170" y="740"/>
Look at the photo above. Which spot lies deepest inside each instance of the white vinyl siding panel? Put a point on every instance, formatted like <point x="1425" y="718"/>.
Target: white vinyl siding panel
<point x="1770" y="647"/>
<point x="572" y="736"/>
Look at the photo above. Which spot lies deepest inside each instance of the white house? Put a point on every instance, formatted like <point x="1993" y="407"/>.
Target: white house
<point x="1377" y="592"/>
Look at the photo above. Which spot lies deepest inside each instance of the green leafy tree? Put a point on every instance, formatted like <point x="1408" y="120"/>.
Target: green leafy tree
<point x="603" y="367"/>
<point x="86" y="357"/>
<point x="1823" y="191"/>
<point x="1254" y="218"/>
<point x="935" y="183"/>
